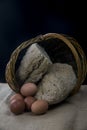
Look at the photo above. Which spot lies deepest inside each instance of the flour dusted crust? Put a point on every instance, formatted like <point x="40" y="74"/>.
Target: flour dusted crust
<point x="34" y="64"/>
<point x="57" y="84"/>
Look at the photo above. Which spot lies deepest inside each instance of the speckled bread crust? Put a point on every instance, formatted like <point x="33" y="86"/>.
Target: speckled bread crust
<point x="34" y="64"/>
<point x="57" y="83"/>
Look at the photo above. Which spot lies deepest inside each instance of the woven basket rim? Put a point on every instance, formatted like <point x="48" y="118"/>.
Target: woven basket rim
<point x="10" y="68"/>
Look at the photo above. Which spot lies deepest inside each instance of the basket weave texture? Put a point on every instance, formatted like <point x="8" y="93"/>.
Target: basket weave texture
<point x="71" y="43"/>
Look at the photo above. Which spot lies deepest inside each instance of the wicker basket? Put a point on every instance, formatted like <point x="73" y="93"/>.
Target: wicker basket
<point x="61" y="48"/>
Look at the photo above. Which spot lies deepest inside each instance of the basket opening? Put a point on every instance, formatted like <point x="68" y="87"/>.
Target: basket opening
<point x="59" y="52"/>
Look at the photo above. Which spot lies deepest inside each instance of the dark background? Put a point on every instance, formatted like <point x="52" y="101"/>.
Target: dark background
<point x="23" y="19"/>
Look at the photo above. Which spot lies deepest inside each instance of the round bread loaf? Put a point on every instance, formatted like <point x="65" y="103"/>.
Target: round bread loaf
<point x="57" y="84"/>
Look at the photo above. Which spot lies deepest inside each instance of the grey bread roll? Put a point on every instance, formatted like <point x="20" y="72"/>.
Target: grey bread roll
<point x="57" y="84"/>
<point x="34" y="64"/>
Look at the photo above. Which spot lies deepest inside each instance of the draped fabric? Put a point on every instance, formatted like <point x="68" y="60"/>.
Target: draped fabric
<point x="69" y="115"/>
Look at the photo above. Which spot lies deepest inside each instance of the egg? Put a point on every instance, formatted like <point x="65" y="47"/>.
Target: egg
<point x="16" y="96"/>
<point x="28" y="89"/>
<point x="39" y="107"/>
<point x="28" y="101"/>
<point x="17" y="106"/>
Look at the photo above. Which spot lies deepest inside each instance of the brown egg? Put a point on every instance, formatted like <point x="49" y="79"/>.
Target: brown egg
<point x="28" y="101"/>
<point x="17" y="106"/>
<point x="39" y="107"/>
<point x="28" y="89"/>
<point x="16" y="96"/>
